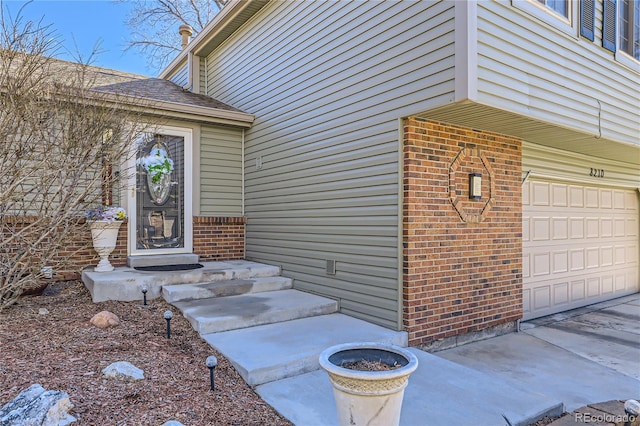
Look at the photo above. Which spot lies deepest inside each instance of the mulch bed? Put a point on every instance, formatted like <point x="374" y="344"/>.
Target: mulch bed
<point x="61" y="350"/>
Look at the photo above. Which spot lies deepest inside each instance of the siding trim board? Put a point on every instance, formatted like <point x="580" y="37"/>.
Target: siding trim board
<point x="466" y="50"/>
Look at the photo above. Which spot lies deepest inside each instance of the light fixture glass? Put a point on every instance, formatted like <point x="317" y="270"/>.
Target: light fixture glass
<point x="475" y="186"/>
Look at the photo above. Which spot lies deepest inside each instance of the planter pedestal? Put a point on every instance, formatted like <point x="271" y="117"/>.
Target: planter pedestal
<point x="104" y="235"/>
<point x="368" y="397"/>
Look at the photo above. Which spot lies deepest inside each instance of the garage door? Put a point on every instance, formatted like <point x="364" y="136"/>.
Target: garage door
<point x="580" y="245"/>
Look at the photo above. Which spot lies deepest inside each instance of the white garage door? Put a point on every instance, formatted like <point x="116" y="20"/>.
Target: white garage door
<point x="580" y="245"/>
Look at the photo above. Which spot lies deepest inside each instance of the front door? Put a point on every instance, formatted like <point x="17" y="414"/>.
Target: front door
<point x="160" y="218"/>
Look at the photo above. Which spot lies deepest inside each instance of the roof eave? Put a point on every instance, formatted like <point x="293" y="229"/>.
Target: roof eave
<point x="178" y="111"/>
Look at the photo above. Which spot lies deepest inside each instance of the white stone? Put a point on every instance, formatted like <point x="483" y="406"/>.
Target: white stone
<point x="123" y="370"/>
<point x="172" y="423"/>
<point x="35" y="406"/>
<point x="43" y="311"/>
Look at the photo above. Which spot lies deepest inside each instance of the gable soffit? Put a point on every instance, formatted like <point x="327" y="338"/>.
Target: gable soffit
<point x="232" y="16"/>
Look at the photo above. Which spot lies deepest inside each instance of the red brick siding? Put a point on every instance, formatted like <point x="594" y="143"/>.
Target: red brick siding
<point x="77" y="251"/>
<point x="462" y="259"/>
<point x="218" y="238"/>
<point x="214" y="238"/>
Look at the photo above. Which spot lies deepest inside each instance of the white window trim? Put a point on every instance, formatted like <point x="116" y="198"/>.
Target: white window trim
<point x="627" y="60"/>
<point x="551" y="17"/>
<point x="621" y="56"/>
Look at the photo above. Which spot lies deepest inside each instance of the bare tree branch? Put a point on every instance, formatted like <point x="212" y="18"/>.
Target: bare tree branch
<point x="154" y="26"/>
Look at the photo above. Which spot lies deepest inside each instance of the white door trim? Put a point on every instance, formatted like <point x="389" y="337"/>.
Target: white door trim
<point x="187" y="134"/>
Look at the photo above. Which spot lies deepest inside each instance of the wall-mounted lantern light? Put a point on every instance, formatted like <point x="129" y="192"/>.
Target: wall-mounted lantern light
<point x="475" y="186"/>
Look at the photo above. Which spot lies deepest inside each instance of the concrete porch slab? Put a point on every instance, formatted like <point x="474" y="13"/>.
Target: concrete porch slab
<point x="275" y="351"/>
<point x="125" y="284"/>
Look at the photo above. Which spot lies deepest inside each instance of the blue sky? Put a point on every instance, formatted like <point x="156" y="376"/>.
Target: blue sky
<point x="87" y="22"/>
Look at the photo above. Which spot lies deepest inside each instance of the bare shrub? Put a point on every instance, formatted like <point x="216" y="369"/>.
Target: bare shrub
<point x="61" y="144"/>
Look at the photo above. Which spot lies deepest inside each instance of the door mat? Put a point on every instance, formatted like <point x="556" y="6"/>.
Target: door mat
<point x="165" y="268"/>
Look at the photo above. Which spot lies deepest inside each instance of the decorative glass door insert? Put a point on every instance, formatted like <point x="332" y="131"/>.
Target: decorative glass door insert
<point x="160" y="192"/>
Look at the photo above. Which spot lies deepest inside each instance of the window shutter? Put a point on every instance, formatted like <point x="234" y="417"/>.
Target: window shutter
<point x="609" y="25"/>
<point x="587" y="18"/>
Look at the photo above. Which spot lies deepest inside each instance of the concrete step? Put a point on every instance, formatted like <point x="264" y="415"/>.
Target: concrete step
<point x="272" y="352"/>
<point x="125" y="284"/>
<point x="439" y="393"/>
<point x="179" y="292"/>
<point x="233" y="312"/>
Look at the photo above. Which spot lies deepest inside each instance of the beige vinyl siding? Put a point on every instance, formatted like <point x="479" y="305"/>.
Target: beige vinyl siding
<point x="328" y="82"/>
<point x="202" y="74"/>
<point x="528" y="67"/>
<point x="220" y="171"/>
<point x="181" y="76"/>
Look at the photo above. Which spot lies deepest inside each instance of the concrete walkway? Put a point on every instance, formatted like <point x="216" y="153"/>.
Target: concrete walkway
<point x="557" y="363"/>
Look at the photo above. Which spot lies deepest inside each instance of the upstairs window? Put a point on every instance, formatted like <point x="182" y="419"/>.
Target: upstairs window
<point x="560" y="14"/>
<point x="629" y="24"/>
<point x="561" y="7"/>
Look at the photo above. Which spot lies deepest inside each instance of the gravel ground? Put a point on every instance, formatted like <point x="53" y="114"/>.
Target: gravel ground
<point x="61" y="350"/>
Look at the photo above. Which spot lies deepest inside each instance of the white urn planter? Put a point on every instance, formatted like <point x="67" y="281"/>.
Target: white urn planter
<point x="368" y="397"/>
<point x="104" y="234"/>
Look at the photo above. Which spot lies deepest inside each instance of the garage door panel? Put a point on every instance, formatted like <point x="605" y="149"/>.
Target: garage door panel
<point x="559" y="195"/>
<point x="559" y="228"/>
<point x="577" y="228"/>
<point x="577" y="290"/>
<point x="618" y="200"/>
<point x="593" y="228"/>
<point x="591" y="198"/>
<point x="580" y="245"/>
<point x="576" y="196"/>
<point x="607" y="284"/>
<point x="540" y="193"/>
<point x="606" y="227"/>
<point x="560" y="262"/>
<point x="540" y="229"/>
<point x="606" y="199"/>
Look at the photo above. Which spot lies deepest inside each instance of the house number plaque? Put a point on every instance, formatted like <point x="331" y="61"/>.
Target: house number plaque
<point x="599" y="173"/>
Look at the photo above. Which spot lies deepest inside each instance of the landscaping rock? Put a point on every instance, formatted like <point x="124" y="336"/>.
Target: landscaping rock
<point x="123" y="370"/>
<point x="172" y="423"/>
<point x="36" y="406"/>
<point x="105" y="319"/>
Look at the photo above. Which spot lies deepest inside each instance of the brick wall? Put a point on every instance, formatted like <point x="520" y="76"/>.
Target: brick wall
<point x="462" y="258"/>
<point x="214" y="238"/>
<point x="218" y="238"/>
<point x="77" y="251"/>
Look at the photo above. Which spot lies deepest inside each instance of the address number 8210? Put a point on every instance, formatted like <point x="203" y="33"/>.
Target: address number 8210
<point x="599" y="173"/>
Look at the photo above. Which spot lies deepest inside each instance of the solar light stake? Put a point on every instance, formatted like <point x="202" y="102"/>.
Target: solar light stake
<point x="168" y="315"/>
<point x="144" y="295"/>
<point x="212" y="361"/>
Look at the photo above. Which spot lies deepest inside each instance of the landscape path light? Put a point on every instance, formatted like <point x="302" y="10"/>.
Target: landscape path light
<point x="212" y="361"/>
<point x="168" y="315"/>
<point x="144" y="295"/>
